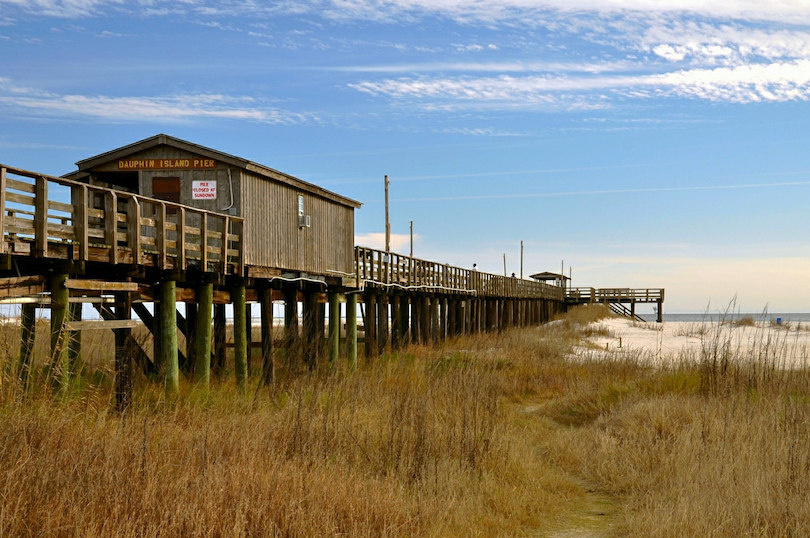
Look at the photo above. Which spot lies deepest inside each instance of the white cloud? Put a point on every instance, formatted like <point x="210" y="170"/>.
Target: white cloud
<point x="400" y="243"/>
<point x="741" y="84"/>
<point x="167" y="108"/>
<point x="789" y="11"/>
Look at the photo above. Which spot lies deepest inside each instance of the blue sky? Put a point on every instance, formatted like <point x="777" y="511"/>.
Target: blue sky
<point x="647" y="144"/>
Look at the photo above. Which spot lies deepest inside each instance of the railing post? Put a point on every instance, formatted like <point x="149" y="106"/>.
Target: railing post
<point x="180" y="239"/>
<point x="160" y="235"/>
<point x="134" y="228"/>
<point x="3" y="247"/>
<point x="41" y="216"/>
<point x="79" y="194"/>
<point x="111" y="224"/>
<point x="204" y="242"/>
<point x="224" y="246"/>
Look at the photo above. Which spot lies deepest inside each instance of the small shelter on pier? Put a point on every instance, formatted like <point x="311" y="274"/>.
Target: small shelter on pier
<point x="290" y="226"/>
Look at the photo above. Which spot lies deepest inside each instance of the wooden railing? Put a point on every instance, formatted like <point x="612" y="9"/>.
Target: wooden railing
<point x="378" y="268"/>
<point x="615" y="295"/>
<point x="105" y="225"/>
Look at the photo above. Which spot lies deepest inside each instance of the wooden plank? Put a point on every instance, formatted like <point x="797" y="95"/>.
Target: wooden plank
<point x="21" y="199"/>
<point x="100" y="285"/>
<point x="60" y="206"/>
<point x="93" y="325"/>
<point x="19" y="185"/>
<point x="22" y="286"/>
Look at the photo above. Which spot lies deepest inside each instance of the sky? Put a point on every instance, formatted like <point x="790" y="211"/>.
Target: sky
<point x="640" y="143"/>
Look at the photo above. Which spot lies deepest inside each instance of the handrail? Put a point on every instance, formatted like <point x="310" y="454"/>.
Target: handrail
<point x="599" y="295"/>
<point x="102" y="224"/>
<point x="389" y="269"/>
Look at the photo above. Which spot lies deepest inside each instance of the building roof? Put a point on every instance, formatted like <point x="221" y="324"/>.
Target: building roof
<point x="163" y="139"/>
<point x="546" y="275"/>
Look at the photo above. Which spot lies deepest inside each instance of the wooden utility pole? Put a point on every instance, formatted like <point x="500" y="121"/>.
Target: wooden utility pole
<point x="521" y="260"/>
<point x="411" y="239"/>
<point x="387" y="222"/>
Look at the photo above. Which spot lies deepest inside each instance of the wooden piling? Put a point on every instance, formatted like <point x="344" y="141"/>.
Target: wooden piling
<point x="334" y="327"/>
<point x="28" y="337"/>
<point x="60" y="366"/>
<point x="435" y="327"/>
<point x="239" y="335"/>
<point x="202" y="333"/>
<point x="191" y="339"/>
<point x="396" y="326"/>
<point x="168" y="335"/>
<point x="266" y="303"/>
<point x="383" y="326"/>
<point x="220" y="336"/>
<point x="124" y="378"/>
<point x="370" y="324"/>
<point x="351" y="330"/>
<point x="75" y="338"/>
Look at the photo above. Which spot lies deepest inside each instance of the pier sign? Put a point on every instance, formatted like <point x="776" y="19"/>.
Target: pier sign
<point x="204" y="190"/>
<point x="164" y="164"/>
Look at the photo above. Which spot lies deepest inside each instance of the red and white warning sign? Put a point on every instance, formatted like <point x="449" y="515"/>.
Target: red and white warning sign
<point x="204" y="190"/>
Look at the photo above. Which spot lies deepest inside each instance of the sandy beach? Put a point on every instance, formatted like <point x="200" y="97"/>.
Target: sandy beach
<point x="786" y="345"/>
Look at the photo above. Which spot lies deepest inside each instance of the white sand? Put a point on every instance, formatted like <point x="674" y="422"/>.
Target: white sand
<point x="786" y="345"/>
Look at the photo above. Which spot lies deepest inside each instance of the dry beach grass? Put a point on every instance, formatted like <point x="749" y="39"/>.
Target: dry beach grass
<point x="497" y="435"/>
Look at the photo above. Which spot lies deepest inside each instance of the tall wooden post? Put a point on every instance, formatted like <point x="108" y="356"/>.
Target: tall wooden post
<point x="334" y="327"/>
<point x="351" y="330"/>
<point x="416" y="318"/>
<point x="434" y="319"/>
<point x="168" y="334"/>
<point x="266" y="303"/>
<point x="124" y="381"/>
<point x="27" y="338"/>
<point x="220" y="336"/>
<point x="157" y="349"/>
<point x="239" y="335"/>
<point x="59" y="334"/>
<point x="202" y="340"/>
<point x="427" y="330"/>
<point x="249" y="337"/>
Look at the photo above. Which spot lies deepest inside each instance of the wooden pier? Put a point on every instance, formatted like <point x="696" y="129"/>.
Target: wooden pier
<point x="622" y="301"/>
<point x="93" y="237"/>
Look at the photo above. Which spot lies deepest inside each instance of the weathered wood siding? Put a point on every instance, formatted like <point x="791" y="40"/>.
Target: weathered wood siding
<point x="274" y="239"/>
<point x="218" y="174"/>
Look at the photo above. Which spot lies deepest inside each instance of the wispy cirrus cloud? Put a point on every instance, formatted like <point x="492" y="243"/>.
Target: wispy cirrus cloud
<point x="740" y="84"/>
<point x="19" y="100"/>
<point x="789" y="11"/>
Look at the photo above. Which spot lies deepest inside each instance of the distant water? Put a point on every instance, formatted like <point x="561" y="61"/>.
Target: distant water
<point x="786" y="317"/>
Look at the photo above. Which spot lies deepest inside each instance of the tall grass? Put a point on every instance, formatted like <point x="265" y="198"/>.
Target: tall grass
<point x="420" y="443"/>
<point x="495" y="435"/>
